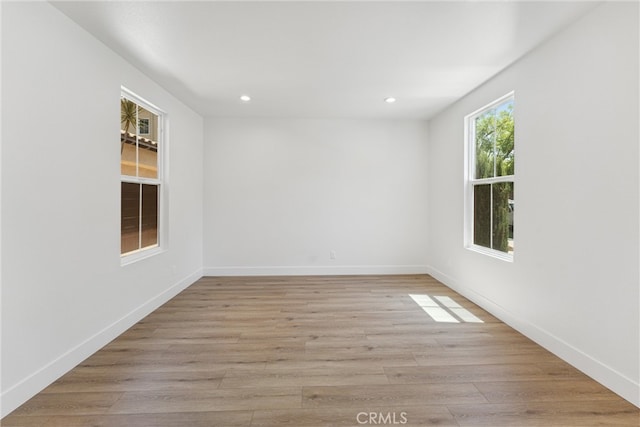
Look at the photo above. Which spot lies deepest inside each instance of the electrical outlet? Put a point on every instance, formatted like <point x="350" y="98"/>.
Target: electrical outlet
<point x="332" y="255"/>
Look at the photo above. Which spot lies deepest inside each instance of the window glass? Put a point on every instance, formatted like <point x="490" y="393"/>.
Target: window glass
<point x="129" y="217"/>
<point x="484" y="145"/>
<point x="148" y="145"/>
<point x="149" y="220"/>
<point x="482" y="215"/>
<point x="502" y="217"/>
<point x="128" y="137"/>
<point x="505" y="138"/>
<point x="143" y="126"/>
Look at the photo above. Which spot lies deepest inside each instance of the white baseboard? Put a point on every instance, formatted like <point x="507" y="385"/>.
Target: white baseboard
<point x="626" y="387"/>
<point x="316" y="270"/>
<point x="15" y="396"/>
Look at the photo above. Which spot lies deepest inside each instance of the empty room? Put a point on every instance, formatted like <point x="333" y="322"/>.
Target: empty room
<point x="320" y="213"/>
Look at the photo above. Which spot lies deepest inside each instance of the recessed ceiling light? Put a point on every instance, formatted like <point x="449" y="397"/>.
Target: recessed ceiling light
<point x="245" y="98"/>
<point x="390" y="100"/>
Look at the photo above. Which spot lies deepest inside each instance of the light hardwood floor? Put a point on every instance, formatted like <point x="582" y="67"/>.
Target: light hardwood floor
<point x="320" y="351"/>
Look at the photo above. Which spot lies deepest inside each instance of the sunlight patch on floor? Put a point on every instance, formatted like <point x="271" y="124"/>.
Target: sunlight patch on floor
<point x="444" y="309"/>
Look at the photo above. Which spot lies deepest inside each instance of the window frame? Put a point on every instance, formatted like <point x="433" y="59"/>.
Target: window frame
<point x="471" y="181"/>
<point x="160" y="181"/>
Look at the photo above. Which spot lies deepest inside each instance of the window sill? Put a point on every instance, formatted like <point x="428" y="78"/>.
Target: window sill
<point x="491" y="252"/>
<point x="139" y="255"/>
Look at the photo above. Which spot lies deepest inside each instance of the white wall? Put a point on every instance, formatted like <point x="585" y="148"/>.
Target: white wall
<point x="64" y="292"/>
<point x="574" y="282"/>
<point x="281" y="194"/>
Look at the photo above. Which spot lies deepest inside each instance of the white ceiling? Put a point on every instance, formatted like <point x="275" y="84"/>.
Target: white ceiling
<point x="323" y="58"/>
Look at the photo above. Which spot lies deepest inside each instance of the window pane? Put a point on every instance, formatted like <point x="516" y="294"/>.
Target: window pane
<point x="482" y="215"/>
<point x="484" y="138"/>
<point x="128" y="117"/>
<point x="149" y="215"/>
<point x="503" y="216"/>
<point x="147" y="144"/>
<point x="129" y="217"/>
<point x="143" y="125"/>
<point x="504" y="139"/>
<point x="494" y="142"/>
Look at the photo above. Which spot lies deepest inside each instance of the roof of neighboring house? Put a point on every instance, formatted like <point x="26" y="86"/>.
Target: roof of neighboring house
<point x="130" y="138"/>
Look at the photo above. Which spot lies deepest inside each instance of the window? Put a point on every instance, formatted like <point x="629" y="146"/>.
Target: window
<point x="140" y="176"/>
<point x="143" y="126"/>
<point x="490" y="169"/>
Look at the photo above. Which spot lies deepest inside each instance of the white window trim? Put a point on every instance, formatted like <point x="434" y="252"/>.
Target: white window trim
<point x="469" y="181"/>
<point x="161" y="181"/>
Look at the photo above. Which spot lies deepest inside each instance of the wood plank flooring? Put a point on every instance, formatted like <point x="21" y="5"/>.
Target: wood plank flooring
<point x="320" y="351"/>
